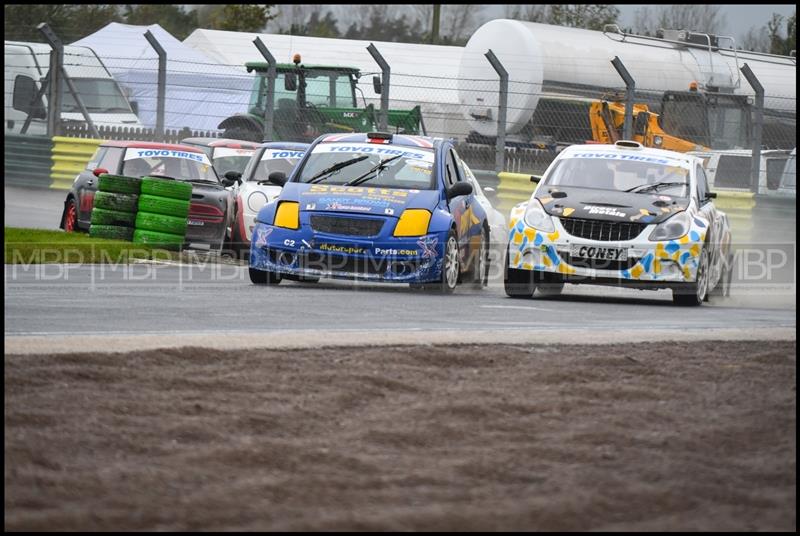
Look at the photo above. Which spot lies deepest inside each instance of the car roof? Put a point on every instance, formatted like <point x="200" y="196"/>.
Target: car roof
<point x="221" y="142"/>
<point x="424" y="142"/>
<point x="644" y="151"/>
<point x="150" y="145"/>
<point x="288" y="145"/>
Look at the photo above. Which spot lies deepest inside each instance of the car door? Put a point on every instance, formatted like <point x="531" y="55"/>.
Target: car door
<point x="709" y="212"/>
<point x="460" y="206"/>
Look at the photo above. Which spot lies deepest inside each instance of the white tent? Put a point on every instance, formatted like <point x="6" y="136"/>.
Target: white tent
<point x="199" y="94"/>
<point x="420" y="74"/>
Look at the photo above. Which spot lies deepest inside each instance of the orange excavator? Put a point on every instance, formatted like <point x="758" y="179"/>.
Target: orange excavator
<point x="607" y="117"/>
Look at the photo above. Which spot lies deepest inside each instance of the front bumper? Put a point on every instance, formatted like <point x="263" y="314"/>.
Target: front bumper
<point x="303" y="253"/>
<point x="654" y="264"/>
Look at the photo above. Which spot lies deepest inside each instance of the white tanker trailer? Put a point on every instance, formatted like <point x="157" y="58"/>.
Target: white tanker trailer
<point x="555" y="71"/>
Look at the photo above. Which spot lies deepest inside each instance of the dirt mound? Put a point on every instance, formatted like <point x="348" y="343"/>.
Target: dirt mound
<point x="680" y="436"/>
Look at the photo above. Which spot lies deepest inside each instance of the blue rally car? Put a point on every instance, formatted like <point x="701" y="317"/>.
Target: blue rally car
<point x="377" y="207"/>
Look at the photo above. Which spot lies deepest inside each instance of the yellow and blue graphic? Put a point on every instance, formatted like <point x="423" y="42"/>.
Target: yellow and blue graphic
<point x="378" y="233"/>
<point x="668" y="261"/>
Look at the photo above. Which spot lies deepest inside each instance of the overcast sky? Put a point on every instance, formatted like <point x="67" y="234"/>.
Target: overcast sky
<point x="738" y="18"/>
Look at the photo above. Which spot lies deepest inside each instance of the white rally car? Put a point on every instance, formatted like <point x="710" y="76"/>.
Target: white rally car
<point x="620" y="215"/>
<point x="495" y="219"/>
<point x="254" y="189"/>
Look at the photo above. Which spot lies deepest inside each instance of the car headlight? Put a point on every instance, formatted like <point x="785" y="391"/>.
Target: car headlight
<point x="413" y="222"/>
<point x="673" y="228"/>
<point x="536" y="217"/>
<point x="256" y="200"/>
<point x="288" y="215"/>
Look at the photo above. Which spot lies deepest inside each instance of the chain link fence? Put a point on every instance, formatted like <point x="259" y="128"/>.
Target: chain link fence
<point x="119" y="93"/>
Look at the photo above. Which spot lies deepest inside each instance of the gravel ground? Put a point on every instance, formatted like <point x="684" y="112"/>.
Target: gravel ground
<point x="684" y="436"/>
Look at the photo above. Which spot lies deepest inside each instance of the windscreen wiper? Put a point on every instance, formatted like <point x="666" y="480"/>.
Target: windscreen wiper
<point x="655" y="186"/>
<point x="366" y="176"/>
<point x="336" y="167"/>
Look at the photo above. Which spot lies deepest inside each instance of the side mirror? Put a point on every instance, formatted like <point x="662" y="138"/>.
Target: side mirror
<point x="376" y="85"/>
<point x="459" y="188"/>
<point x="135" y="107"/>
<point x="711" y="195"/>
<point x="226" y="182"/>
<point x="25" y="92"/>
<point x="277" y="177"/>
<point x="99" y="171"/>
<point x="290" y="82"/>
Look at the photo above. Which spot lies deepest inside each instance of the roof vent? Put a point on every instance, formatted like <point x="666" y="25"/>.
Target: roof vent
<point x="628" y="144"/>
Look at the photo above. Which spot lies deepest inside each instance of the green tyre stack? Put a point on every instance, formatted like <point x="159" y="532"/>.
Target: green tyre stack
<point x="115" y="206"/>
<point x="163" y="213"/>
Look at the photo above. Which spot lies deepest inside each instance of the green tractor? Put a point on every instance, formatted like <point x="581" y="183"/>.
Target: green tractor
<point x="311" y="100"/>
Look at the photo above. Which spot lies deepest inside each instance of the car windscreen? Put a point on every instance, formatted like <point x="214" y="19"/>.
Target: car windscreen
<point x="391" y="166"/>
<point x="181" y="165"/>
<point x="99" y="95"/>
<point x="622" y="173"/>
<point x="231" y="159"/>
<point x="272" y="160"/>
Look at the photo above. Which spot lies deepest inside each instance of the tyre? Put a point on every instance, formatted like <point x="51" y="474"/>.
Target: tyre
<point x="117" y="202"/>
<point x="101" y="216"/>
<point x="161" y="224"/>
<point x="517" y="283"/>
<point x="115" y="232"/>
<point x="243" y="133"/>
<point x="167" y="188"/>
<point x="723" y="288"/>
<point x="70" y="216"/>
<point x="451" y="266"/>
<point x="693" y="294"/>
<point x="238" y="244"/>
<point x="260" y="277"/>
<point x="480" y="264"/>
<point x="547" y="284"/>
<point x="153" y="238"/>
<point x="119" y="184"/>
<point x="550" y="289"/>
<point x="164" y="205"/>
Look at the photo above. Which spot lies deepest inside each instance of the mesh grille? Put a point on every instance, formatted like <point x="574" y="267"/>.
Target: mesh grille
<point x="346" y="226"/>
<point x="602" y="230"/>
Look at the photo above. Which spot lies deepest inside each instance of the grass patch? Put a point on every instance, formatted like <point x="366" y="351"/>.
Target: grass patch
<point x="37" y="246"/>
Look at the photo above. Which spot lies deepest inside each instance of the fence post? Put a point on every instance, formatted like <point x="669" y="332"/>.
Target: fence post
<point x="758" y="122"/>
<point x="162" y="82"/>
<point x="385" y="72"/>
<point x="55" y="42"/>
<point x="630" y="86"/>
<point x="272" y="73"/>
<point x="56" y="62"/>
<point x="39" y="94"/>
<point x="500" y="144"/>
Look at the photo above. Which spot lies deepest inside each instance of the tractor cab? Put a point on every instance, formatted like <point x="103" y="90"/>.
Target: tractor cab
<point x="310" y="100"/>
